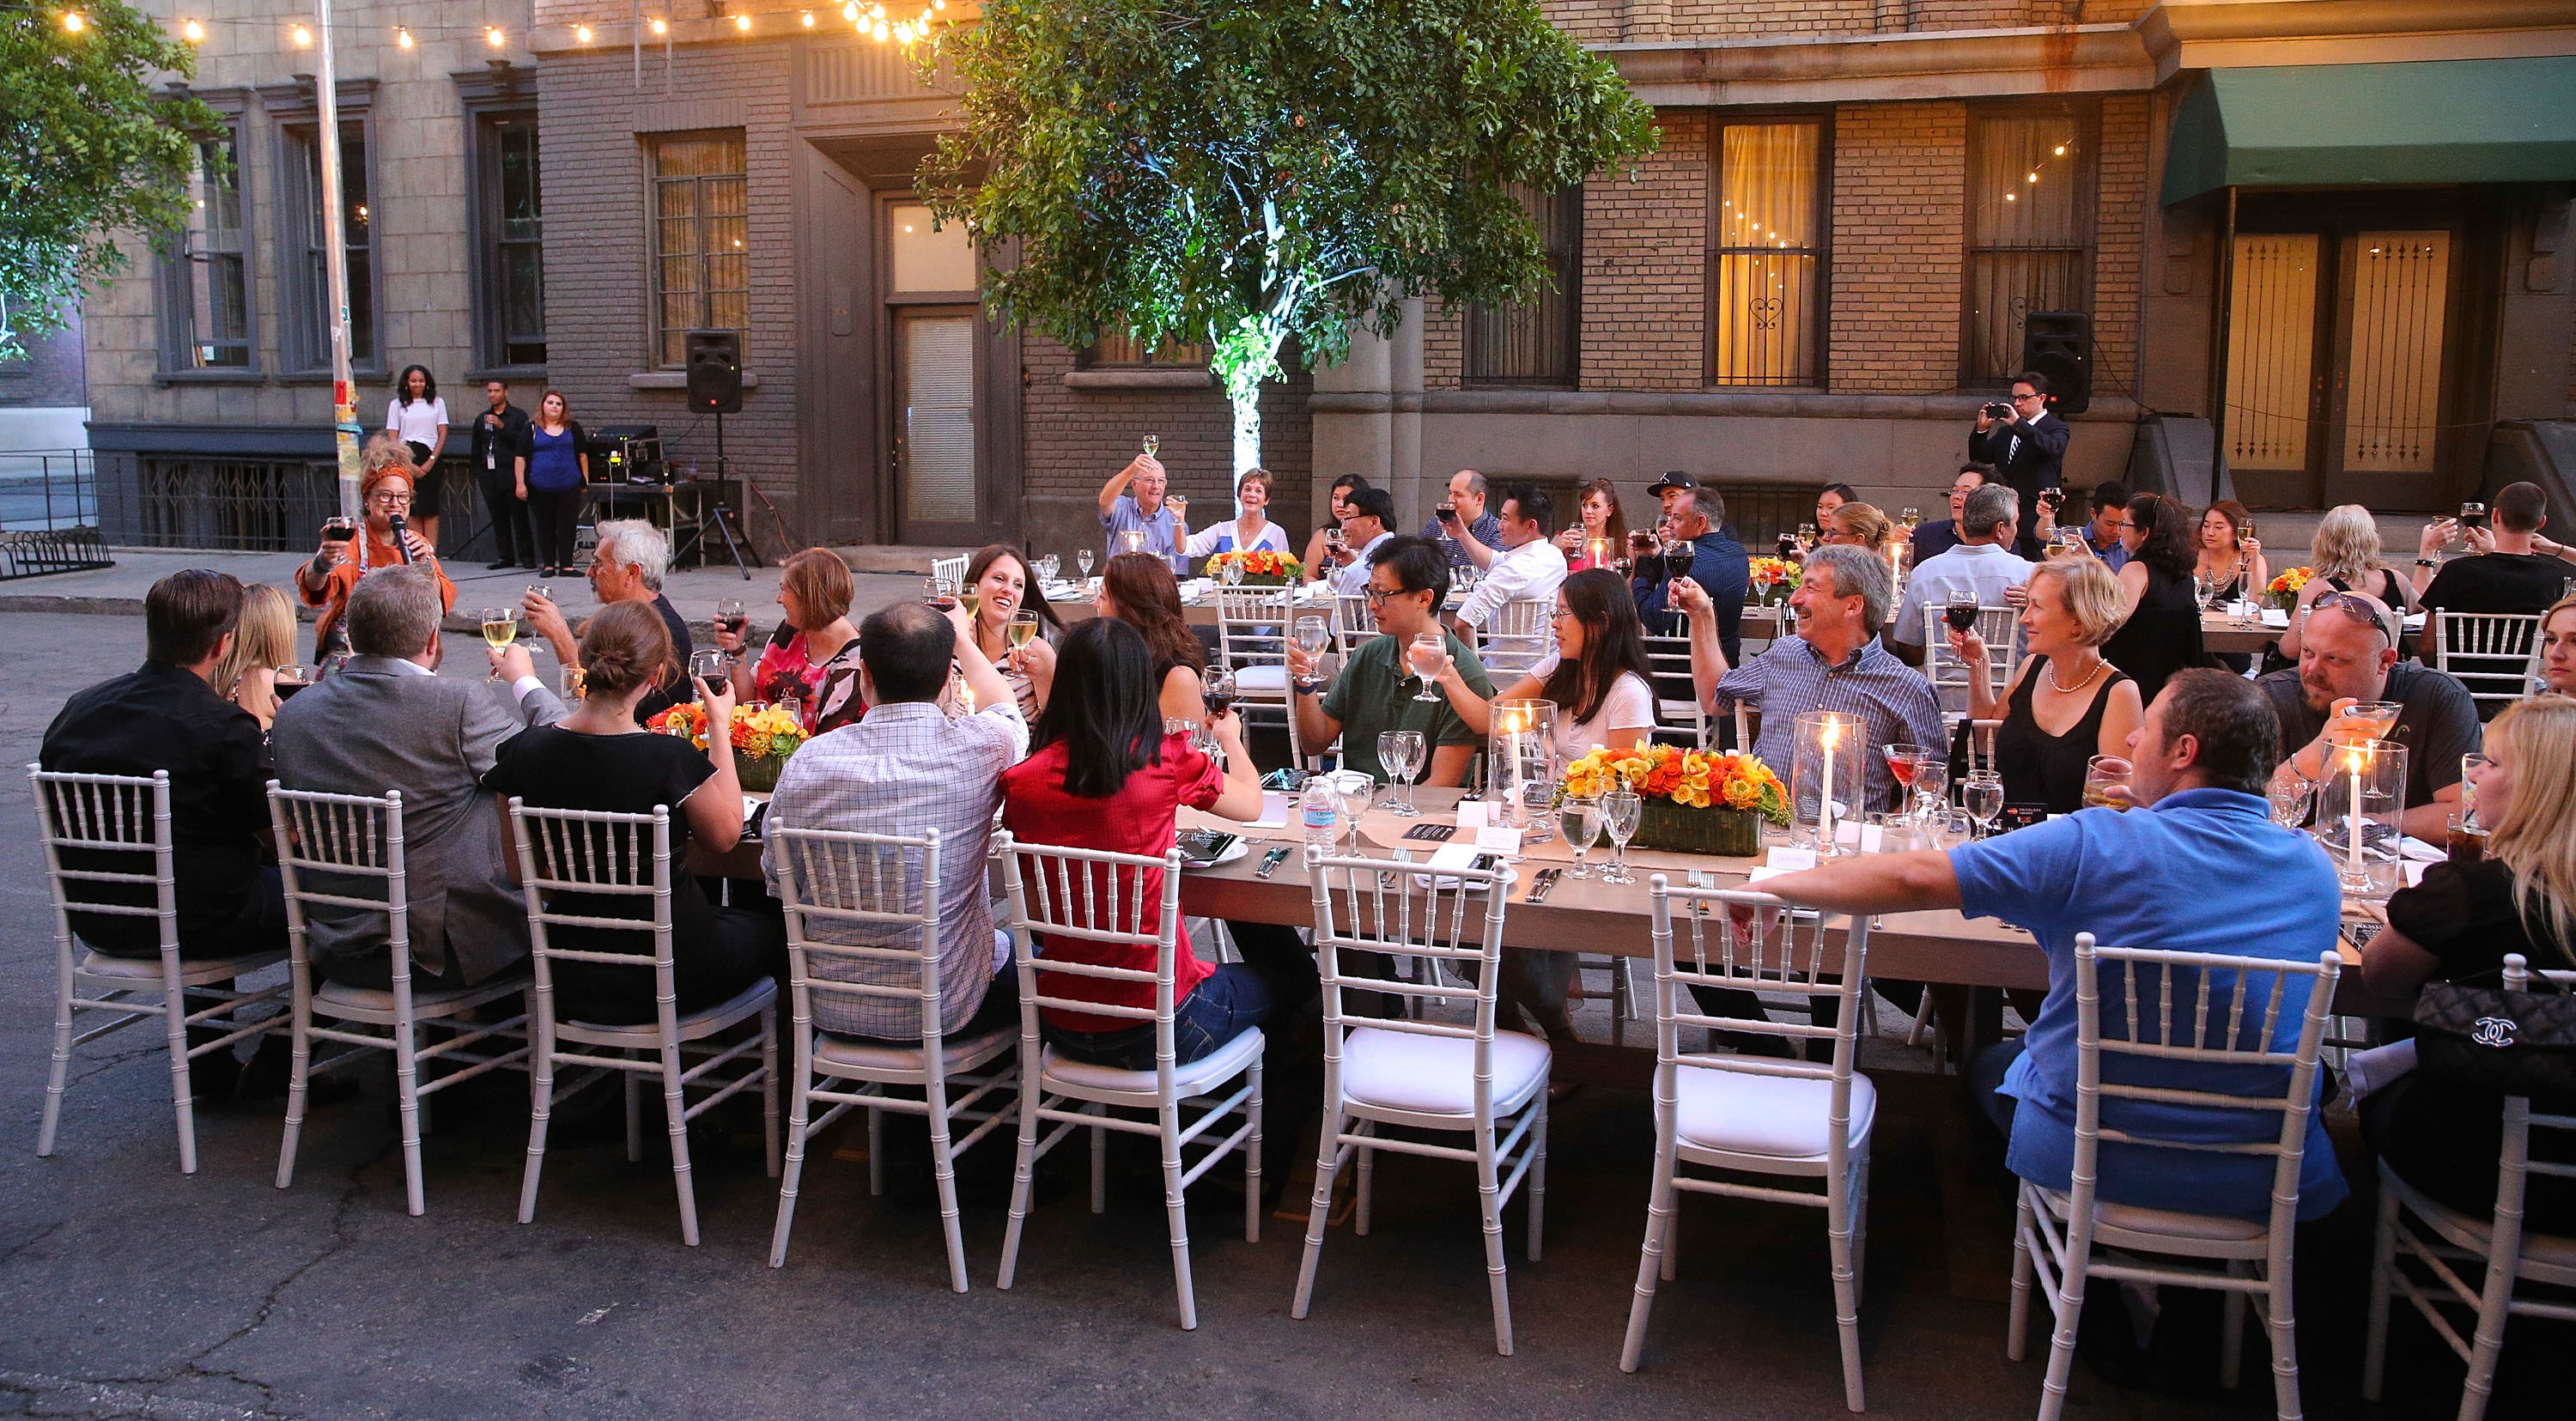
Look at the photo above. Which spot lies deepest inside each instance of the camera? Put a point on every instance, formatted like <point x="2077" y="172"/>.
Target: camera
<point x="1998" y="410"/>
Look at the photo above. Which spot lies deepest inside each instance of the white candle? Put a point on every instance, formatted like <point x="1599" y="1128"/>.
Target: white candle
<point x="1513" y="782"/>
<point x="1825" y="805"/>
<point x="2352" y="850"/>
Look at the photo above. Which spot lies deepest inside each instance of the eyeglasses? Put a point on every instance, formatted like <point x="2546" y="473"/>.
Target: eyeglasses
<point x="1560" y="614"/>
<point x="2359" y="608"/>
<point x="392" y="500"/>
<point x="2018" y="398"/>
<point x="1376" y="596"/>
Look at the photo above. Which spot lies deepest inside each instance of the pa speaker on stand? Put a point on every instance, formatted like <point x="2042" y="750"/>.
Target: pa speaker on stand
<point x="714" y="362"/>
<point x="2058" y="345"/>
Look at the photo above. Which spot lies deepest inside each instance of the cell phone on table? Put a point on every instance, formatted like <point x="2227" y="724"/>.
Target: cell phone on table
<point x="1290" y="780"/>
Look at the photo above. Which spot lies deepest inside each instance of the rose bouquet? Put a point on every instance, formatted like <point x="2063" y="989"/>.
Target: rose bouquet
<point x="763" y="736"/>
<point x="2283" y="590"/>
<point x="1772" y="574"/>
<point x="1696" y="801"/>
<point x="1260" y="567"/>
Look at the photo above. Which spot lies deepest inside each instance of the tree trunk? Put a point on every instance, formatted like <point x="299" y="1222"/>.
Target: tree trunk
<point x="1247" y="432"/>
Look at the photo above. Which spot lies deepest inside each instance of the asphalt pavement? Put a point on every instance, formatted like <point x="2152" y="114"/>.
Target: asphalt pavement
<point x="132" y="1290"/>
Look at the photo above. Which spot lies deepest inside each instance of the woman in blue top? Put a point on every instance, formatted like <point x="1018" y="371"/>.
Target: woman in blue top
<point x="1251" y="527"/>
<point x="552" y="468"/>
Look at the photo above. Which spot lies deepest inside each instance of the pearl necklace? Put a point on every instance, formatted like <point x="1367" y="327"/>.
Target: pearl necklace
<point x="2066" y="690"/>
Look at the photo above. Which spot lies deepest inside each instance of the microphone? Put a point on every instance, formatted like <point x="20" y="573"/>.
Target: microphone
<point x="401" y="544"/>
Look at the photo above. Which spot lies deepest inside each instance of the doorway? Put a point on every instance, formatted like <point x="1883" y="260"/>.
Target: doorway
<point x="936" y="350"/>
<point x="2346" y="360"/>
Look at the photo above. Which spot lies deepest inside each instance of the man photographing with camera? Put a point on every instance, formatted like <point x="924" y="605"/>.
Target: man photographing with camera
<point x="2027" y="447"/>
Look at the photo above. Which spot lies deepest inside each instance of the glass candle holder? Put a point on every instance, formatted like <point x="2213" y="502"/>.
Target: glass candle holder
<point x="1520" y="766"/>
<point x="2361" y="795"/>
<point x="1827" y="775"/>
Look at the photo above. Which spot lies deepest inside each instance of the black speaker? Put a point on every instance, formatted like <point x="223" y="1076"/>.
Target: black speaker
<point x="715" y="372"/>
<point x="2056" y="344"/>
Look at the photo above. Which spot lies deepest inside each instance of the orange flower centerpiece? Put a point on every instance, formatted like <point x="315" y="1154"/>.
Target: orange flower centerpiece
<point x="763" y="737"/>
<point x="1774" y="578"/>
<point x="1701" y="802"/>
<point x="2283" y="591"/>
<point x="1260" y="568"/>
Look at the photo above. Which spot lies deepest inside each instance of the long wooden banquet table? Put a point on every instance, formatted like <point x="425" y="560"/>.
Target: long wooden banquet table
<point x="1940" y="946"/>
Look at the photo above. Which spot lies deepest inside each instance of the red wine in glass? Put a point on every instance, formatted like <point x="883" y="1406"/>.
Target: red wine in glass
<point x="1218" y="702"/>
<point x="1962" y="615"/>
<point x="1678" y="557"/>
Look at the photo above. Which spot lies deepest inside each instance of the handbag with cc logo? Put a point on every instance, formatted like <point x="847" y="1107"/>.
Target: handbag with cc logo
<point x="2511" y="1043"/>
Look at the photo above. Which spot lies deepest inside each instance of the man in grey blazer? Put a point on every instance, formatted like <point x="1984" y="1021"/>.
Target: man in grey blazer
<point x="388" y="721"/>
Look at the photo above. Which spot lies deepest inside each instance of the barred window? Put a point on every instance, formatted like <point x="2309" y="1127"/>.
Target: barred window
<point x="309" y="309"/>
<point x="206" y="311"/>
<point x="2030" y="234"/>
<point x="701" y="265"/>
<point x="1536" y="342"/>
<point x="1121" y="350"/>
<point x="1768" y="255"/>
<point x="510" y="303"/>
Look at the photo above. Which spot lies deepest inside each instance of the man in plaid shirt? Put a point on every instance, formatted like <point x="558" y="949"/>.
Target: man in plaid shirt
<point x="907" y="767"/>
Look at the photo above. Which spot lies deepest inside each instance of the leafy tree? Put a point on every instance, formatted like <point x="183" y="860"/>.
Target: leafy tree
<point x="1247" y="172"/>
<point x="86" y="150"/>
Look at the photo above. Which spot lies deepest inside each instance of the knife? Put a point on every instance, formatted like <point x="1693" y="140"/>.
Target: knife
<point x="1547" y="878"/>
<point x="1270" y="862"/>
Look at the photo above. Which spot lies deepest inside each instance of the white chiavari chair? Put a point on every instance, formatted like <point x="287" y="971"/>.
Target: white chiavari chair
<point x="2492" y="653"/>
<point x="1253" y="625"/>
<point x="343" y="853"/>
<point x="2178" y="1012"/>
<point x="2001" y="628"/>
<point x="864" y="934"/>
<point x="2456" y="1250"/>
<point x="1519" y="635"/>
<point x="1435" y="1073"/>
<point x="109" y="854"/>
<point x="1754" y="1115"/>
<point x="1094" y="897"/>
<point x="950" y="570"/>
<point x="595" y="855"/>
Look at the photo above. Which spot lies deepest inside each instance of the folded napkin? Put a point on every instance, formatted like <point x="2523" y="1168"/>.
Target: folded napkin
<point x="2421" y="852"/>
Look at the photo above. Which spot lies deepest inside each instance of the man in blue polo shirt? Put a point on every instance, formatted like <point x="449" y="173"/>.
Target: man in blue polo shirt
<point x="2196" y="866"/>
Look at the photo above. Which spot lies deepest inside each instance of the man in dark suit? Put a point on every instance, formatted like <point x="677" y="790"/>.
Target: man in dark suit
<point x="388" y="721"/>
<point x="167" y="716"/>
<point x="2027" y="446"/>
<point x="498" y="432"/>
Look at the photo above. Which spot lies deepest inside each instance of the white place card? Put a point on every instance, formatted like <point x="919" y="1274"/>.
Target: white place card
<point x="1274" y="811"/>
<point x="1471" y="814"/>
<point x="1498" y="839"/>
<point x="1759" y="874"/>
<point x="1865" y="838"/>
<point x="1783" y="859"/>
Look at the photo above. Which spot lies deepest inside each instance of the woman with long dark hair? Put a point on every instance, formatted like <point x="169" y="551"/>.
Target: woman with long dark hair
<point x="1598" y="676"/>
<point x="1316" y="564"/>
<point x="419" y="416"/>
<point x="1137" y="588"/>
<point x="2161" y="633"/>
<point x="553" y="464"/>
<point x="1598" y="520"/>
<point x="1101" y="774"/>
<point x="1000" y="576"/>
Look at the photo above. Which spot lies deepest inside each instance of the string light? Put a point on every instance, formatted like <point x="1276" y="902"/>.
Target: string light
<point x="192" y="32"/>
<point x="850" y="11"/>
<point x="74" y="21"/>
<point x="303" y="37"/>
<point x="742" y="23"/>
<point x="581" y="34"/>
<point x="808" y="17"/>
<point x="661" y="27"/>
<point x="495" y="38"/>
<point x="402" y="37"/>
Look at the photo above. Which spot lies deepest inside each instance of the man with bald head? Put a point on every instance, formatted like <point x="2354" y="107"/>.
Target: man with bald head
<point x="2347" y="654"/>
<point x="1468" y="514"/>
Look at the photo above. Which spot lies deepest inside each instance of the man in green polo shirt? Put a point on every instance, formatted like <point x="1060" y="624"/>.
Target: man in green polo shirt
<point x="1376" y="690"/>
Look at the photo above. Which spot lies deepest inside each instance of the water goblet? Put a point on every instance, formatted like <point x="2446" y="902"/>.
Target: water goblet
<point x="1429" y="651"/>
<point x="1400" y="752"/>
<point x="1984" y="792"/>
<point x="1621" y="809"/>
<point x="1580" y="817"/>
<point x="1082" y="560"/>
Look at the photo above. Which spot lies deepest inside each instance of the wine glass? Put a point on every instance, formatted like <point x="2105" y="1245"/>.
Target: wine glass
<point x="1580" y="817"/>
<point x="1620" y="811"/>
<point x="1354" y="791"/>
<point x="1984" y="791"/>
<point x="708" y="667"/>
<point x="1430" y="649"/>
<point x="1961" y="610"/>
<point x="1217" y="692"/>
<point x="1902" y="761"/>
<point x="1401" y="752"/>
<point x="542" y="589"/>
<point x="1024" y="628"/>
<point x="1931" y="786"/>
<point x="1910" y="519"/>
<point x="733" y="617"/>
<point x="1679" y="554"/>
<point x="571" y="683"/>
<point x="1082" y="560"/>
<point x="972" y="599"/>
<point x="2290" y="796"/>
<point x="500" y="628"/>
<point x="1230" y="572"/>
<point x="1153" y="445"/>
<point x="2379" y="716"/>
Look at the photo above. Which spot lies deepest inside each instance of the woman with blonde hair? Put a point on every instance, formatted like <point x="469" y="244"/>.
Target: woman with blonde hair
<point x="2344" y="557"/>
<point x="1856" y="525"/>
<point x="263" y="642"/>
<point x="2558" y="647"/>
<point x="2064" y="704"/>
<point x="2458" y="924"/>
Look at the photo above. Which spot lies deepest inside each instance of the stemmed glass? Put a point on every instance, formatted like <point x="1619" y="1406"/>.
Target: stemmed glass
<point x="1580" y="817"/>
<point x="1217" y="692"/>
<point x="1430" y="649"/>
<point x="2290" y="797"/>
<point x="1355" y="791"/>
<point x="1620" y="811"/>
<point x="500" y="628"/>
<point x="1313" y="635"/>
<point x="1984" y="792"/>
<point x="1082" y="560"/>
<point x="1904" y="761"/>
<point x="735" y="618"/>
<point x="1401" y="752"/>
<point x="1931" y="786"/>
<point x="1230" y="572"/>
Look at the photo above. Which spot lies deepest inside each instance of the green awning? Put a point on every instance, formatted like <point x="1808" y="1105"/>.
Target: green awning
<point x="2339" y="125"/>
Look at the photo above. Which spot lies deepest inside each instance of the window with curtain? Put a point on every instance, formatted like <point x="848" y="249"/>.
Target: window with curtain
<point x="310" y="314"/>
<point x="1767" y="255"/>
<point x="1535" y="342"/>
<point x="1121" y="350"/>
<point x="701" y="265"/>
<point x="207" y="293"/>
<point x="510" y="307"/>
<point x="2030" y="233"/>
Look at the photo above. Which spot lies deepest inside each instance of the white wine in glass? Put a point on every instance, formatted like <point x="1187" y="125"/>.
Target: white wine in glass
<point x="500" y="628"/>
<point x="1153" y="445"/>
<point x="1024" y="628"/>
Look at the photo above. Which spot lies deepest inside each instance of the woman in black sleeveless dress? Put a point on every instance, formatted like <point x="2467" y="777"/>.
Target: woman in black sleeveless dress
<point x="2073" y="607"/>
<point x="2162" y="633"/>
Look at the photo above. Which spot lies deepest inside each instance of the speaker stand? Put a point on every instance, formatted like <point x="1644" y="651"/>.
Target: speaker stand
<point x="723" y="525"/>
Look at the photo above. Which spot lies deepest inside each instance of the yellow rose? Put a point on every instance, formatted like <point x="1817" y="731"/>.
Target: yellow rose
<point x="1742" y="794"/>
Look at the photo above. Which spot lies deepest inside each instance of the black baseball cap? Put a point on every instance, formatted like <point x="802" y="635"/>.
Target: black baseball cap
<point x="1675" y="479"/>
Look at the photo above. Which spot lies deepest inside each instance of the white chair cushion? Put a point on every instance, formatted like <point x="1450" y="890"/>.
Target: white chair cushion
<point x="956" y="1053"/>
<point x="366" y="1003"/>
<point x="2160" y="1223"/>
<point x="1436" y="1075"/>
<point x="692" y="1027"/>
<point x="146" y="971"/>
<point x="1778" y="1116"/>
<point x="1061" y="1075"/>
<point x="1261" y="678"/>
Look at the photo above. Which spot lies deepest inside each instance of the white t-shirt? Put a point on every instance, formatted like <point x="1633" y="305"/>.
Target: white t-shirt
<point x="1629" y="706"/>
<point x="417" y="422"/>
<point x="1205" y="540"/>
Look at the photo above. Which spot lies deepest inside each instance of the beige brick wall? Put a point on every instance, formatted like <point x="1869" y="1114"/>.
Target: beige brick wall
<point x="2120" y="236"/>
<point x="1645" y="266"/>
<point x="1899" y="173"/>
<point x="1610" y="21"/>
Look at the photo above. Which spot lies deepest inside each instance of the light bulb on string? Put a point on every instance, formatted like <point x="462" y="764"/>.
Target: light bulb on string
<point x="661" y="27"/>
<point x="742" y="23"/>
<point x="303" y="37"/>
<point x="581" y="34"/>
<point x="495" y="38"/>
<point x="807" y="17"/>
<point x="850" y="11"/>
<point x="192" y="32"/>
<point x="402" y="37"/>
<point x="74" y="21"/>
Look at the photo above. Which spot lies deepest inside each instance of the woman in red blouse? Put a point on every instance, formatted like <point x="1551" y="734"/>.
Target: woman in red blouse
<point x="1101" y="774"/>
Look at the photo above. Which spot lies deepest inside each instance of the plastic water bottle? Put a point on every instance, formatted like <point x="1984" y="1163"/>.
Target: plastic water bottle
<point x="1321" y="810"/>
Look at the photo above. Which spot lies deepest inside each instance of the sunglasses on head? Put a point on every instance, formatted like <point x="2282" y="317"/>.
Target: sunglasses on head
<point x="2360" y="609"/>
